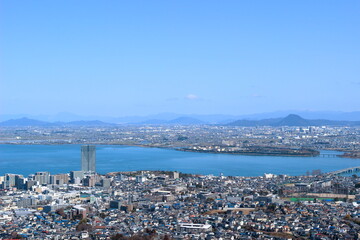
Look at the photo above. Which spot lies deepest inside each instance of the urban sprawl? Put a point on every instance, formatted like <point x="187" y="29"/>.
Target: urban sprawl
<point x="207" y="138"/>
<point x="172" y="205"/>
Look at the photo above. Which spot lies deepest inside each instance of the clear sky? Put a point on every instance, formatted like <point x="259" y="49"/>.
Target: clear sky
<point x="118" y="58"/>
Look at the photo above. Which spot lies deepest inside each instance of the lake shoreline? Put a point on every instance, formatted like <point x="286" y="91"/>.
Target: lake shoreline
<point x="60" y="158"/>
<point x="343" y="155"/>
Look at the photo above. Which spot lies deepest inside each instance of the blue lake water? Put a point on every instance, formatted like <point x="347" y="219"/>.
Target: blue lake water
<point x="27" y="159"/>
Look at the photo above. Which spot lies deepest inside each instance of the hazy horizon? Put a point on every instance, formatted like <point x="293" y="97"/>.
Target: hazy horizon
<point x="62" y="116"/>
<point x="141" y="58"/>
<point x="168" y="116"/>
<point x="185" y="113"/>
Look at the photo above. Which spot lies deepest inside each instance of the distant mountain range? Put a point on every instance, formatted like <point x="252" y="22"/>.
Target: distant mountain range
<point x="292" y="120"/>
<point x="25" y="122"/>
<point x="21" y="122"/>
<point x="163" y="118"/>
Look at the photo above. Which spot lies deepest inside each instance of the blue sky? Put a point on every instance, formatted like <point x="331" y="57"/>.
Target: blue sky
<point x="118" y="58"/>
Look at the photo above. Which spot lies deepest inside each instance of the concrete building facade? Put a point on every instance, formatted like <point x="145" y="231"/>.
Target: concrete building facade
<point x="88" y="158"/>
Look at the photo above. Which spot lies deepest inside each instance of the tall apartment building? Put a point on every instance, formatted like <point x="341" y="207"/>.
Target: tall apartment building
<point x="13" y="180"/>
<point x="88" y="158"/>
<point x="42" y="177"/>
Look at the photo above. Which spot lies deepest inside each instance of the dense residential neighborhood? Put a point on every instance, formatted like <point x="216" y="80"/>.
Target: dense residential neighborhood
<point x="172" y="205"/>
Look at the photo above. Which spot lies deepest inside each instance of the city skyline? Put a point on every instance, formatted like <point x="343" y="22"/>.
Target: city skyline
<point x="121" y="59"/>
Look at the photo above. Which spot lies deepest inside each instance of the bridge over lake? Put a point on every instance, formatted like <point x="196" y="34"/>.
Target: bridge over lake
<point x="324" y="155"/>
<point x="346" y="170"/>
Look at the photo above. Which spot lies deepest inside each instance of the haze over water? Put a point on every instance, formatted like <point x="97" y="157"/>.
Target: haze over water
<point x="28" y="159"/>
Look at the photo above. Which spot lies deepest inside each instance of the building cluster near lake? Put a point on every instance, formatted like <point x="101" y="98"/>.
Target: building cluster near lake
<point x="172" y="205"/>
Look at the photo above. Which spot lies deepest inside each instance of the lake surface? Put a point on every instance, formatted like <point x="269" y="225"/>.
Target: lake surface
<point x="28" y="159"/>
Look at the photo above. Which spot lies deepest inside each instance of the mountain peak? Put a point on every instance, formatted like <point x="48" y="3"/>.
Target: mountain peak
<point x="293" y="116"/>
<point x="293" y="120"/>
